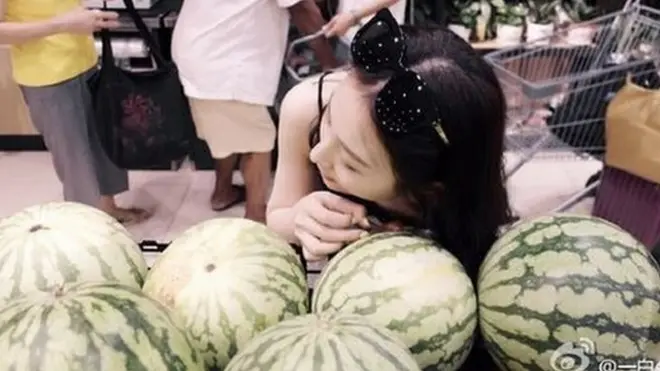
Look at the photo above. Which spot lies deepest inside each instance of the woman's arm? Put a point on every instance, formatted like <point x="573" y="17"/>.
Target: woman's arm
<point x="294" y="176"/>
<point x="14" y="33"/>
<point x="76" y="21"/>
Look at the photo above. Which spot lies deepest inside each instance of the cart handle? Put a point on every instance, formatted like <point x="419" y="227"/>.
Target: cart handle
<point x="292" y="45"/>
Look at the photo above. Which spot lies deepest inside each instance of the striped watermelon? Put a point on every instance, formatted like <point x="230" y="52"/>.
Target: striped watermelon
<point x="228" y="279"/>
<point x="61" y="242"/>
<point x="411" y="286"/>
<point x="325" y="342"/>
<point x="92" y="326"/>
<point x="568" y="281"/>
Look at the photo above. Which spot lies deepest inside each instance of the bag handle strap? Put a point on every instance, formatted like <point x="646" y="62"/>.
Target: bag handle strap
<point x="107" y="57"/>
<point x="142" y="30"/>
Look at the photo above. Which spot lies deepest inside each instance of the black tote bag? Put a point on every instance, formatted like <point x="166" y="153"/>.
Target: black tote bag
<point x="143" y="117"/>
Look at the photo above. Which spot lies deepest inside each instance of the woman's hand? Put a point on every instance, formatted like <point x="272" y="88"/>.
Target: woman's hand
<point x="339" y="24"/>
<point x="325" y="222"/>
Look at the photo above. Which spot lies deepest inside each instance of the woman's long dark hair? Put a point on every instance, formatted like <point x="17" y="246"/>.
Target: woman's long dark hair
<point x="471" y="203"/>
<point x="460" y="191"/>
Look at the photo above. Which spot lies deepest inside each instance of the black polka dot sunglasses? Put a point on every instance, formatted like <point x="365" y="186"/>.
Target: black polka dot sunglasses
<point x="405" y="102"/>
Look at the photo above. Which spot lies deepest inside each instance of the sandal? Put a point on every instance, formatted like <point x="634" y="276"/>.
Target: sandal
<point x="131" y="215"/>
<point x="240" y="198"/>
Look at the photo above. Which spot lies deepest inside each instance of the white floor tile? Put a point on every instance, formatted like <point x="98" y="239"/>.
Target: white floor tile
<point x="162" y="193"/>
<point x="27" y="179"/>
<point x="547" y="181"/>
<point x="196" y="208"/>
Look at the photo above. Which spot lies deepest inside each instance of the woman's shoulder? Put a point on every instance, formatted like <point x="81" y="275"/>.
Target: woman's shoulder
<point x="300" y="104"/>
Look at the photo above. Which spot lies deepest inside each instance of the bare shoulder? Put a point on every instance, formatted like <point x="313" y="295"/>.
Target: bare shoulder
<point x="294" y="177"/>
<point x="300" y="105"/>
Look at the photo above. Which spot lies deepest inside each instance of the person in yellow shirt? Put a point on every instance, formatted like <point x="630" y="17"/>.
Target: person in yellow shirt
<point x="53" y="55"/>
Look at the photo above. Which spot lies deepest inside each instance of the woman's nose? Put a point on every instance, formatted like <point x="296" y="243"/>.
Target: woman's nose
<point x="321" y="153"/>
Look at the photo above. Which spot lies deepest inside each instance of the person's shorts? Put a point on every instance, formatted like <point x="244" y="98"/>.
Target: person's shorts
<point x="233" y="127"/>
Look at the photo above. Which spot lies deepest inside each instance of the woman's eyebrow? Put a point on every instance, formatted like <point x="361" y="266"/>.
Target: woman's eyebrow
<point x="351" y="154"/>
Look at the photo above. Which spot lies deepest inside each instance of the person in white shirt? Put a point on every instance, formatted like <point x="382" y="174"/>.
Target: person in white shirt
<point x="229" y="55"/>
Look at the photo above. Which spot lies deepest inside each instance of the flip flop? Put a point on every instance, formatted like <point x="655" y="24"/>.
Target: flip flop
<point x="240" y="198"/>
<point x="132" y="216"/>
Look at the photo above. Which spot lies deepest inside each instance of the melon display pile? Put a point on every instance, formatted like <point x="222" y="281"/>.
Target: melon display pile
<point x="230" y="295"/>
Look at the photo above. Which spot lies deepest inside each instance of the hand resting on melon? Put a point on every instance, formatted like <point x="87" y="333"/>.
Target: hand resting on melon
<point x="428" y="154"/>
<point x="324" y="222"/>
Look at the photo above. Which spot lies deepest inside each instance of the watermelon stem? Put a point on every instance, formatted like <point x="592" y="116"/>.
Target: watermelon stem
<point x="210" y="267"/>
<point x="59" y="291"/>
<point x="37" y="228"/>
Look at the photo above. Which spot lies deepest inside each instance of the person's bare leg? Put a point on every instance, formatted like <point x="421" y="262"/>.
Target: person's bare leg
<point x="256" y="171"/>
<point x="224" y="193"/>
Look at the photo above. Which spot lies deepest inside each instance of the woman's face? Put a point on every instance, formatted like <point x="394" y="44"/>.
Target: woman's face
<point x="350" y="155"/>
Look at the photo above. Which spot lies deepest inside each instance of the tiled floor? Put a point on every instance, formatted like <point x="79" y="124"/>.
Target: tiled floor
<point x="180" y="199"/>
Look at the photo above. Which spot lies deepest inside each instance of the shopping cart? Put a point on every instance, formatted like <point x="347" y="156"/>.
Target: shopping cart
<point x="557" y="88"/>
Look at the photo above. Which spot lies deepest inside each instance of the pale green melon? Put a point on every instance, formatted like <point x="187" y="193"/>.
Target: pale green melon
<point x="92" y="327"/>
<point x="325" y="342"/>
<point x="59" y="242"/>
<point x="228" y="279"/>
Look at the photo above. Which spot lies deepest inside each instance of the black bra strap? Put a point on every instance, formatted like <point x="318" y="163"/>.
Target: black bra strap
<point x="319" y="98"/>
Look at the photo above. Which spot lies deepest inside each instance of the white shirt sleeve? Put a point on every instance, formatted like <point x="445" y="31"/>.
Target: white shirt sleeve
<point x="287" y="3"/>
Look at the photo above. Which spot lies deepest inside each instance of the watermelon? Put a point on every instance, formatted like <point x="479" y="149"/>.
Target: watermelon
<point x="409" y="285"/>
<point x="325" y="342"/>
<point x="228" y="279"/>
<point x="567" y="282"/>
<point x="92" y="326"/>
<point x="60" y="242"/>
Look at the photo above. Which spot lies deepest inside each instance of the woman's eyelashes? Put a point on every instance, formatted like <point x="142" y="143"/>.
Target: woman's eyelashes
<point x="347" y="165"/>
<point x="350" y="168"/>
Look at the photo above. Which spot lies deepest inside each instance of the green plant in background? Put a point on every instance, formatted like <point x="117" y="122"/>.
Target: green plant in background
<point x="512" y="14"/>
<point x="542" y="11"/>
<point x="580" y="10"/>
<point x="465" y="13"/>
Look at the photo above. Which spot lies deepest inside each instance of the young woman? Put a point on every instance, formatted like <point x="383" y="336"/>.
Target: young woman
<point x="412" y="134"/>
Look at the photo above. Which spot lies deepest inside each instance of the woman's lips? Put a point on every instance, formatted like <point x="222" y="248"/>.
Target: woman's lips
<point x="326" y="179"/>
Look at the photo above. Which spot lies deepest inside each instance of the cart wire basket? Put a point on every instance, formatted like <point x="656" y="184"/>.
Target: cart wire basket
<point x="558" y="87"/>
